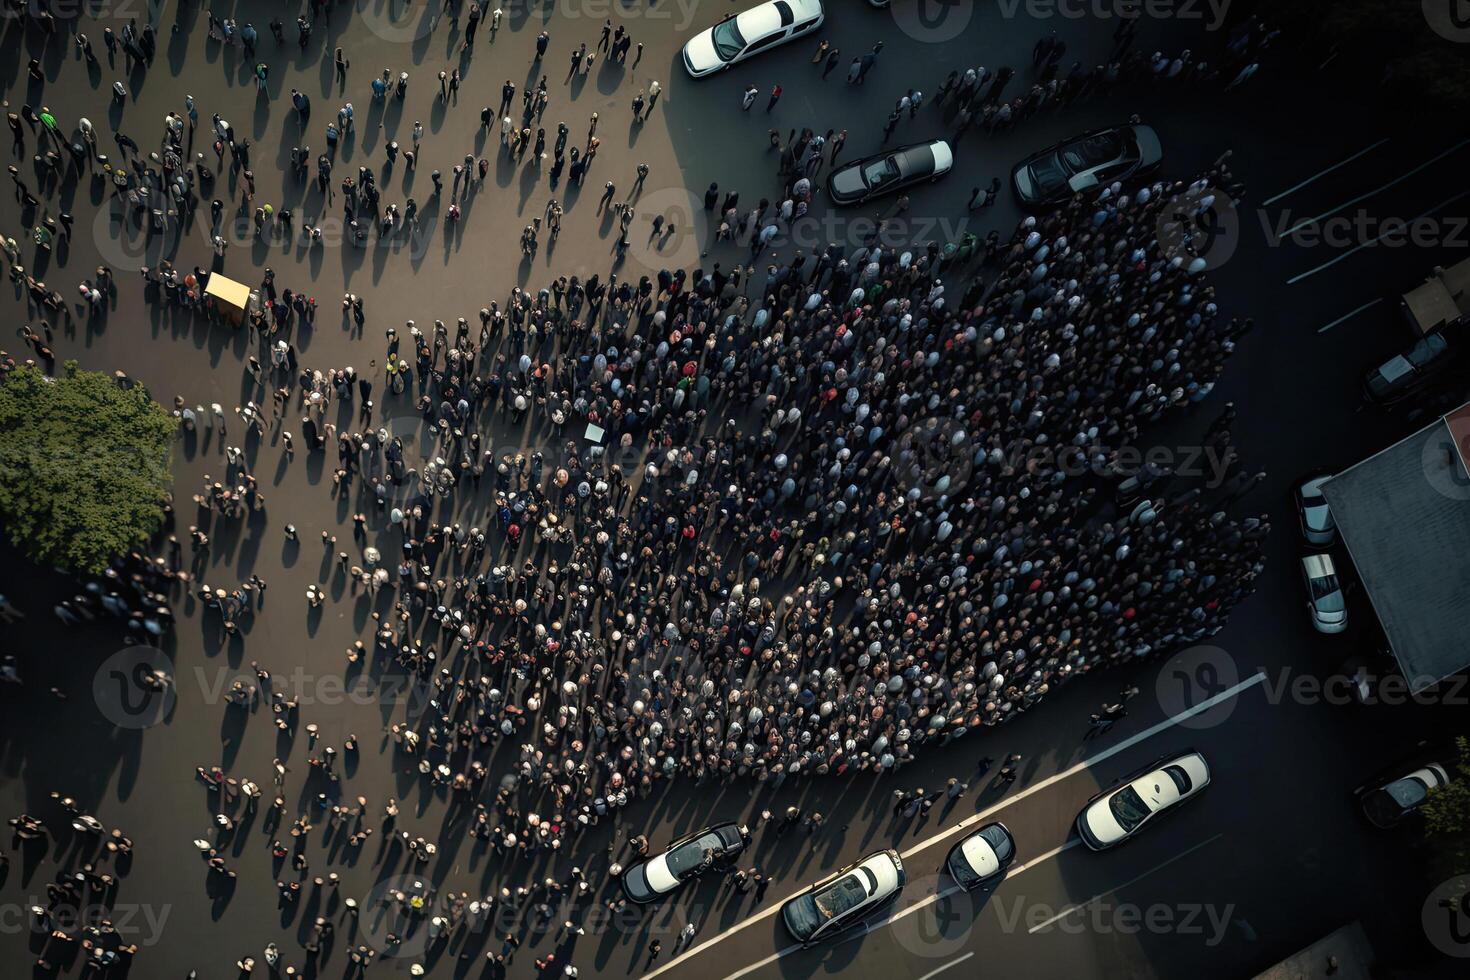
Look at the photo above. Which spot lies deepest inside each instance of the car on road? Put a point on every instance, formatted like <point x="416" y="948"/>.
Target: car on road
<point x="883" y="173"/>
<point x="1318" y="527"/>
<point x="739" y="36"/>
<point x="1118" y="813"/>
<point x="1389" y="799"/>
<point x="685" y="859"/>
<point x="1403" y="374"/>
<point x="1094" y="159"/>
<point x="1325" y="601"/>
<point x="981" y="858"/>
<point x="844" y="899"/>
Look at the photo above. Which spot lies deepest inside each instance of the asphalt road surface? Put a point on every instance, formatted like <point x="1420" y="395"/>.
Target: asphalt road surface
<point x="1271" y="856"/>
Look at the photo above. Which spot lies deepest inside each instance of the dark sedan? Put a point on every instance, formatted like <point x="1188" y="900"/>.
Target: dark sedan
<point x="1093" y="159"/>
<point x="1404" y="374"/>
<point x="686" y="858"/>
<point x="862" y="180"/>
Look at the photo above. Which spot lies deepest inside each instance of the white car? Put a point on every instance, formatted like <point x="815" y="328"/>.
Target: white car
<point x="1325" y="600"/>
<point x="1318" y="527"/>
<point x="845" y="899"/>
<point x="982" y="857"/>
<point x="752" y="31"/>
<point x="1116" y="814"/>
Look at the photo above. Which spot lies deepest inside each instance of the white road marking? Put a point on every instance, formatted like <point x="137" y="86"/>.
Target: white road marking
<point x="1363" y="197"/>
<point x="1131" y="881"/>
<point x="935" y="973"/>
<point x="1350" y="314"/>
<point x="902" y="913"/>
<point x="1106" y="754"/>
<point x="1323" y="173"/>
<point x="1373" y="241"/>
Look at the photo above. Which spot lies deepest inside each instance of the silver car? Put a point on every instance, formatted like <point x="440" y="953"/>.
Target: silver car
<point x="1325" y="600"/>
<point x="1318" y="527"/>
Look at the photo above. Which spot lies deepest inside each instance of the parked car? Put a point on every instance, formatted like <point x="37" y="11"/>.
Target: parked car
<point x="1091" y="160"/>
<point x="739" y="36"/>
<point x="1390" y="798"/>
<point x="1325" y="601"/>
<point x="981" y="858"/>
<point x="845" y="899"/>
<point x="1315" y="517"/>
<point x="1403" y="374"/>
<point x="687" y="858"/>
<point x="1117" y="814"/>
<point x="884" y="173"/>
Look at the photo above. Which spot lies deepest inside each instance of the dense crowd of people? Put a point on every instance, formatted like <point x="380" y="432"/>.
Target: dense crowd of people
<point x="755" y="524"/>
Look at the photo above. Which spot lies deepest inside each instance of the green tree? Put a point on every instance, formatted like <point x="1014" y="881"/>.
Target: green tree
<point x="1447" y="815"/>
<point x="84" y="466"/>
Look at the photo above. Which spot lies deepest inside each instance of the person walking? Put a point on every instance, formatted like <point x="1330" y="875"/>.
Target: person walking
<point x="748" y="99"/>
<point x="775" y="97"/>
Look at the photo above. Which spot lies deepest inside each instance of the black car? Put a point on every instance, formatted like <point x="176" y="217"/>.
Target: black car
<point x="884" y="173"/>
<point x="1093" y="159"/>
<point x="1399" y="791"/>
<point x="689" y="857"/>
<point x="1403" y="374"/>
<point x="982" y="857"/>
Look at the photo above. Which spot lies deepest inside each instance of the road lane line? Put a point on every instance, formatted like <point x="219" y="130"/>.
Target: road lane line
<point x="1373" y="241"/>
<point x="1103" y="756"/>
<point x="1117" y="888"/>
<point x="935" y="973"/>
<point x="1362" y="197"/>
<point x="903" y="913"/>
<point x="1323" y="173"/>
<point x="1350" y="314"/>
<point x="1106" y="754"/>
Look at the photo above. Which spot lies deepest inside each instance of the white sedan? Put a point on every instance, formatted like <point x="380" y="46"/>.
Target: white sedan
<point x="741" y="35"/>
<point x="1115" y="815"/>
<point x="845" y="899"/>
<point x="1325" y="601"/>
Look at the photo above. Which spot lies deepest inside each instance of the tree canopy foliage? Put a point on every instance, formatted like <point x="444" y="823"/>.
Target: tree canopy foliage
<point x="1447" y="814"/>
<point x="84" y="466"/>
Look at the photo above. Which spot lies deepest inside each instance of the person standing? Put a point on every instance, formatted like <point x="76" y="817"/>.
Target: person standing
<point x="775" y="97"/>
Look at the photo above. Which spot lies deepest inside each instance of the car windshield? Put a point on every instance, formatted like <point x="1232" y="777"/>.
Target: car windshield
<point x="1180" y="777"/>
<point x="1326" y="593"/>
<point x="728" y="40"/>
<point x="1128" y="808"/>
<point x="999" y="841"/>
<point x="843" y="895"/>
<point x="880" y="172"/>
<point x="1089" y="151"/>
<point x="1407" y="792"/>
<point x="687" y="858"/>
<point x="1048" y="173"/>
